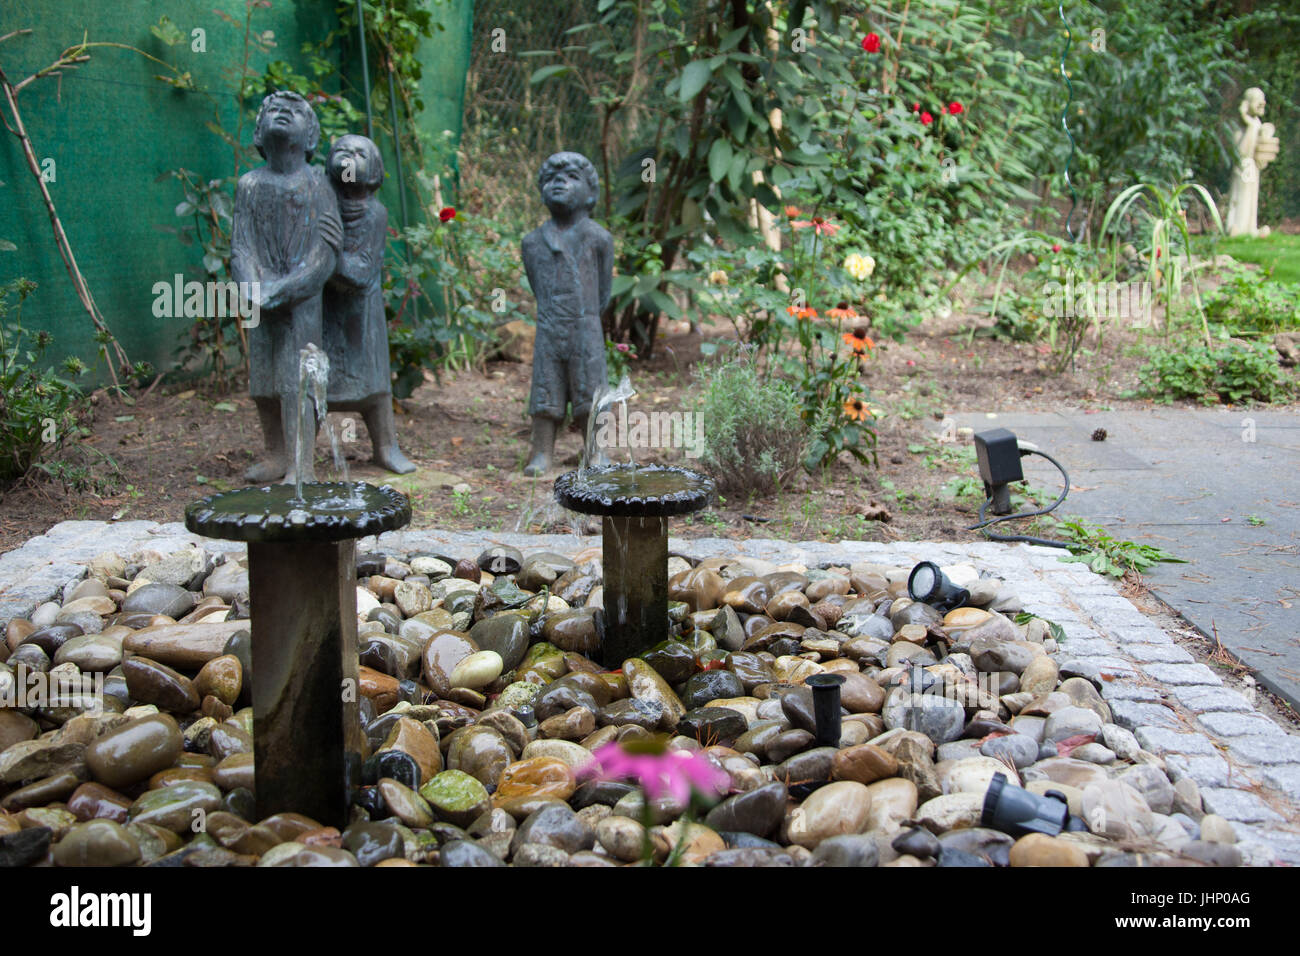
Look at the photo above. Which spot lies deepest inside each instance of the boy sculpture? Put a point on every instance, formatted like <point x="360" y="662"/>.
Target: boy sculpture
<point x="286" y="237"/>
<point x="356" y="331"/>
<point x="569" y="261"/>
<point x="1257" y="145"/>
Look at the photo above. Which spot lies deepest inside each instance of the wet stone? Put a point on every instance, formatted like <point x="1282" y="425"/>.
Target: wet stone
<point x="711" y="725"/>
<point x="711" y="685"/>
<point x="159" y="598"/>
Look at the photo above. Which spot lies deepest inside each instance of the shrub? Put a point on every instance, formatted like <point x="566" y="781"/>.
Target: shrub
<point x="1249" y="304"/>
<point x="754" y="433"/>
<point x="39" y="407"/>
<point x="1232" y="373"/>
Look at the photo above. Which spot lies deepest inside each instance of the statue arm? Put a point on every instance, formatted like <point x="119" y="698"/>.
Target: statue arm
<point x="309" y="276"/>
<point x="605" y="257"/>
<point x="244" y="266"/>
<point x="357" y="268"/>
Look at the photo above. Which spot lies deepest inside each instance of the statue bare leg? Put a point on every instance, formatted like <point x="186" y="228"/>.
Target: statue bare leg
<point x="378" y="416"/>
<point x="543" y="446"/>
<point x="276" y="462"/>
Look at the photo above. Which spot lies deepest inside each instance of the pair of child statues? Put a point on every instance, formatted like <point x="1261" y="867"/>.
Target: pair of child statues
<point x="313" y="242"/>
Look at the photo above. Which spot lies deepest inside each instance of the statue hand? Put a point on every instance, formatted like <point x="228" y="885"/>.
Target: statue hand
<point x="269" y="294"/>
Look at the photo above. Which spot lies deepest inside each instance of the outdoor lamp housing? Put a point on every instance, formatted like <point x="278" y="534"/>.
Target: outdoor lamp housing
<point x="998" y="454"/>
<point x="927" y="584"/>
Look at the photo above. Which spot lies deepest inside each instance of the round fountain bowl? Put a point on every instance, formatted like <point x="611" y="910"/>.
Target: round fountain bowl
<point x="328" y="511"/>
<point x="634" y="491"/>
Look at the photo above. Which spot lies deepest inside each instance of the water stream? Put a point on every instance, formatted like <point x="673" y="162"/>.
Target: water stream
<point x="313" y="412"/>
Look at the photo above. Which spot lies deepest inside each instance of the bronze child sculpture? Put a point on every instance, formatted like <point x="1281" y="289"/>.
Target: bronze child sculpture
<point x="285" y="239"/>
<point x="356" y="331"/>
<point x="569" y="261"/>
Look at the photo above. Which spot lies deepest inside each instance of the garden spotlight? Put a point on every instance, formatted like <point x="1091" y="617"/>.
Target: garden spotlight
<point x="929" y="585"/>
<point x="998" y="454"/>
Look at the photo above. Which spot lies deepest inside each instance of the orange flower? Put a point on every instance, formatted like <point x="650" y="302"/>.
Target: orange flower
<point x="792" y="212"/>
<point x="802" y="313"/>
<point x="855" y="409"/>
<point x="842" y="312"/>
<point x="819" y="225"/>
<point x="859" y="341"/>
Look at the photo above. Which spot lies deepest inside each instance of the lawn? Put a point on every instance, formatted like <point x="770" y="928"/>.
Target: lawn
<point x="1278" y="253"/>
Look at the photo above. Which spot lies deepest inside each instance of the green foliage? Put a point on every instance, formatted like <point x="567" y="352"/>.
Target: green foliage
<point x="1249" y="304"/>
<point x="1091" y="545"/>
<point x="39" y="406"/>
<point x="1232" y="373"/>
<point x="754" y="434"/>
<point x="619" y="357"/>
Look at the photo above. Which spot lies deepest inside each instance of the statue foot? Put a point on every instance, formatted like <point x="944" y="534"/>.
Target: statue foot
<point x="393" y="460"/>
<point x="269" y="469"/>
<point x="538" y="466"/>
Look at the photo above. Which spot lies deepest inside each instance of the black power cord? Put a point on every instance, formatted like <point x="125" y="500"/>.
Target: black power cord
<point x="1046" y="542"/>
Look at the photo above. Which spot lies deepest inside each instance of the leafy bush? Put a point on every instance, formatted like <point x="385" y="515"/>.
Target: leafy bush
<point x="1232" y="373"/>
<point x="754" y="433"/>
<point x="1249" y="304"/>
<point x="39" y="407"/>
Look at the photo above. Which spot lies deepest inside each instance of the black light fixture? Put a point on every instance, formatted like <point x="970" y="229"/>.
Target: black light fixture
<point x="1017" y="812"/>
<point x="826" y="708"/>
<point x="998" y="454"/>
<point x="927" y="584"/>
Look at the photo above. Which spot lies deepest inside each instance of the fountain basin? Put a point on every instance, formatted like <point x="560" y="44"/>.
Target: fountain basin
<point x="328" y="511"/>
<point x="634" y="504"/>
<point x="302" y="572"/>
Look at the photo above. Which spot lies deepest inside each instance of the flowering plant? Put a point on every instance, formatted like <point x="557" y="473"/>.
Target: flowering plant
<point x="682" y="776"/>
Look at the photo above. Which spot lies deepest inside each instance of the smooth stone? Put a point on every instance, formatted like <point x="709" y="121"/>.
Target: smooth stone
<point x="1115" y="810"/>
<point x="620" y="713"/>
<point x="505" y="634"/>
<point x="838" y="808"/>
<point x="31" y="760"/>
<point x="93" y="653"/>
<point x="555" y="825"/>
<point x="991" y="846"/>
<point x="579" y="630"/>
<point x="846" y="850"/>
<point x="15" y="728"/>
<point x="500" y="559"/>
<point x="918" y="842"/>
<point x="759" y="811"/>
<point x="1020" y="749"/>
<point x="1040" y="676"/>
<point x="466" y="853"/>
<point x="185" y="646"/>
<point x="893" y="801"/>
<point x="93" y="801"/>
<point x="1071" y="722"/>
<point x="135" y="751"/>
<point x="865" y="763"/>
<point x="416" y="740"/>
<point x="234" y="773"/>
<point x="541" y="569"/>
<point x="859" y="694"/>
<point x="372" y="842"/>
<point x="159" y="598"/>
<point x="622" y="837"/>
<point x="222" y="677"/>
<point x="535" y="777"/>
<point x="441" y="655"/>
<point x="992" y="654"/>
<point x="177" y="808"/>
<point x="97" y="843"/>
<point x="951" y="811"/>
<point x="1151" y="782"/>
<point x="1038" y="849"/>
<point x="644" y="683"/>
<point x="477" y="670"/>
<point x="456" y="797"/>
<point x="711" y="685"/>
<point x="405" y="804"/>
<point x="572" y="755"/>
<point x="786" y="744"/>
<point x="1215" y="829"/>
<point x="710" y="725"/>
<point x="939" y="718"/>
<point x="24" y="847"/>
<point x="972" y="774"/>
<point x="574" y="724"/>
<point x="1077" y="773"/>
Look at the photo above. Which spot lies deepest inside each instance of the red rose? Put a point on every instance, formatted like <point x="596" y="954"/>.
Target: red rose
<point x="871" y="42"/>
<point x="954" y="108"/>
<point x="926" y="119"/>
<point x="916" y="107"/>
<point x="447" y="213"/>
<point x="1056" y="247"/>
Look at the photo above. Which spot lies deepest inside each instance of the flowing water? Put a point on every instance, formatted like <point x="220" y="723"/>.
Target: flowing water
<point x="313" y="409"/>
<point x="593" y="456"/>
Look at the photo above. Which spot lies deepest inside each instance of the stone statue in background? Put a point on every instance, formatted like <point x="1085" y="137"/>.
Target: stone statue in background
<point x="355" y="327"/>
<point x="285" y="239"/>
<point x="569" y="261"/>
<point x="1257" y="145"/>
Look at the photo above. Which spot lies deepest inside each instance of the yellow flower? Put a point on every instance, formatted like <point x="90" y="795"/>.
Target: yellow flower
<point x="718" y="277"/>
<point x="859" y="266"/>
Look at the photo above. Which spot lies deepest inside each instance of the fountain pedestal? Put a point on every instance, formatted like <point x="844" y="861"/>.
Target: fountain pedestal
<point x="634" y="504"/>
<point x="307" y="739"/>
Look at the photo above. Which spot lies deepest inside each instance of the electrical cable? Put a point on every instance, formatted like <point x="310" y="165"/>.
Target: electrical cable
<point x="1046" y="542"/>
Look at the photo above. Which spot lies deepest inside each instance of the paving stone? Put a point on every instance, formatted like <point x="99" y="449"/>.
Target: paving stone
<point x="1240" y="725"/>
<point x="1266" y="749"/>
<point x="1285" y="845"/>
<point x="1131" y="714"/>
<point x="1157" y="653"/>
<point x="1202" y="699"/>
<point x="1162" y="740"/>
<point x="1284" y="777"/>
<point x="1182" y="674"/>
<point x="1206" y="771"/>
<point x="1124" y="690"/>
<point x="1238" y="805"/>
<point x="1088" y="647"/>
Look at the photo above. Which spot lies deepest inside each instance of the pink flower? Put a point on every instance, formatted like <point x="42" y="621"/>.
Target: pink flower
<point x="674" y="772"/>
<point x="622" y="346"/>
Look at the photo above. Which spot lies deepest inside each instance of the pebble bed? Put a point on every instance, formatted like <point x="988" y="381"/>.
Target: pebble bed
<point x="480" y="701"/>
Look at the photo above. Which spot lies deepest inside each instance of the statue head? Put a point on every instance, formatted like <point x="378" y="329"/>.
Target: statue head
<point x="287" y="114"/>
<point x="354" y="161"/>
<point x="1252" y="101"/>
<point x="568" y="181"/>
